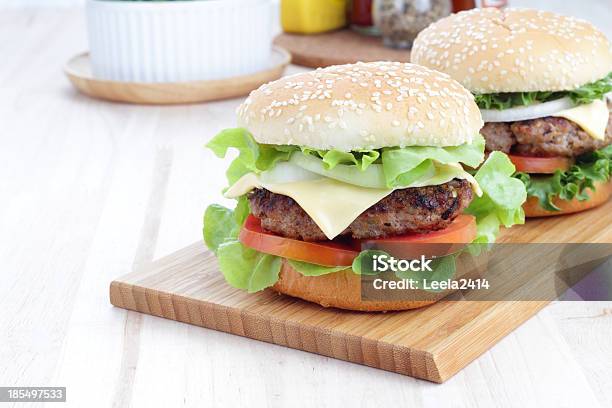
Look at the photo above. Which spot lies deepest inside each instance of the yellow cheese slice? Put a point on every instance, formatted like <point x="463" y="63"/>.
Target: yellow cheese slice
<point x="593" y="118"/>
<point x="334" y="205"/>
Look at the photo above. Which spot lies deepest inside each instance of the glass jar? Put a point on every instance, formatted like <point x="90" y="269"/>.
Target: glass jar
<point x="361" y="17"/>
<point x="313" y="16"/>
<point x="460" y="5"/>
<point x="401" y="20"/>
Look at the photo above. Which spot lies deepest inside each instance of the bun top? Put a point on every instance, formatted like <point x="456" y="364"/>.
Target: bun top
<point x="362" y="106"/>
<point x="514" y="50"/>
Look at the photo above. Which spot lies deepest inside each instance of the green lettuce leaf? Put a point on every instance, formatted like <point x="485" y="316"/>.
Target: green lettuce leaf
<point x="308" y="269"/>
<point x="331" y="158"/>
<point x="404" y="165"/>
<point x="442" y="268"/>
<point x="219" y="226"/>
<point x="363" y="264"/>
<point x="222" y="224"/>
<point x="508" y="100"/>
<point x="426" y="173"/>
<point x="583" y="95"/>
<point x="502" y="199"/>
<point x="241" y="212"/>
<point x="246" y="269"/>
<point x="570" y="184"/>
<point x="401" y="166"/>
<point x="242" y="267"/>
<point x="593" y="91"/>
<point x="252" y="157"/>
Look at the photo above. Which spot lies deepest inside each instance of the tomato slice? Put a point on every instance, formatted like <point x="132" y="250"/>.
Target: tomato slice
<point x="328" y="253"/>
<point x="459" y="233"/>
<point x="542" y="165"/>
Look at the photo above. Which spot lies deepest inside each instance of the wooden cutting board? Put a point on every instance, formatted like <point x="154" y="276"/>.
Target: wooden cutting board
<point x="336" y="48"/>
<point x="432" y="343"/>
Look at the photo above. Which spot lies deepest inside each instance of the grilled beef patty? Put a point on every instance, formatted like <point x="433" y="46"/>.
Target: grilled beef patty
<point x="543" y="137"/>
<point x="417" y="210"/>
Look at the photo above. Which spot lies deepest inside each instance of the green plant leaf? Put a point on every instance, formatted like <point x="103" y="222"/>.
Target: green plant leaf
<point x="247" y="269"/>
<point x="572" y="183"/>
<point x="219" y="226"/>
<point x="363" y="264"/>
<point x="309" y="269"/>
<point x="252" y="157"/>
<point x="403" y="165"/>
<point x="442" y="269"/>
<point x="583" y="95"/>
<point x="502" y="199"/>
<point x="242" y="267"/>
<point x="361" y="158"/>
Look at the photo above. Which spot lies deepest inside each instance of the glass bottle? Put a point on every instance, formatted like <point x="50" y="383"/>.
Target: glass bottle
<point x="361" y="17"/>
<point x="401" y="20"/>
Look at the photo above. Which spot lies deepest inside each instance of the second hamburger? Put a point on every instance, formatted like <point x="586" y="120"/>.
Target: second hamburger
<point x="540" y="80"/>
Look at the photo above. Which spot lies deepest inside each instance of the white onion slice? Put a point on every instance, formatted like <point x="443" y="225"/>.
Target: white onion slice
<point x="372" y="177"/>
<point x="286" y="172"/>
<point x="535" y="111"/>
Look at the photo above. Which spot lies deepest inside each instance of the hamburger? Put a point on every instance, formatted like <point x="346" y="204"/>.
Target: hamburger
<point x="540" y="80"/>
<point x="338" y="160"/>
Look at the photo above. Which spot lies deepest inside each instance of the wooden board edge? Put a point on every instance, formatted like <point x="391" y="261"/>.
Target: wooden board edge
<point x="447" y="361"/>
<point x="328" y="343"/>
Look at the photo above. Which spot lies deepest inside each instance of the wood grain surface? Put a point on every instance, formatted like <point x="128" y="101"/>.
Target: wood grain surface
<point x="337" y="47"/>
<point x="431" y="343"/>
<point x="94" y="190"/>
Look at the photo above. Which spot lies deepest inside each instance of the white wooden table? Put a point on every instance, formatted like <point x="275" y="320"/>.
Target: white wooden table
<point x="88" y="190"/>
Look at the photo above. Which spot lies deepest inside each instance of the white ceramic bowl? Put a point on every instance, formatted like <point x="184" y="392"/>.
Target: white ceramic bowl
<point x="178" y="41"/>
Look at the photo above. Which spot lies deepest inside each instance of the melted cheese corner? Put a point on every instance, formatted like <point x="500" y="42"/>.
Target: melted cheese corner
<point x="592" y="118"/>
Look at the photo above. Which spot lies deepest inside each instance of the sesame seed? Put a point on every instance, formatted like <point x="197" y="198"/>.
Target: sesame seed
<point x="400" y="84"/>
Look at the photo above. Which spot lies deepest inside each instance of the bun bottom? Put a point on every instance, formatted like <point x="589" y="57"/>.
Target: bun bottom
<point x="341" y="290"/>
<point x="596" y="198"/>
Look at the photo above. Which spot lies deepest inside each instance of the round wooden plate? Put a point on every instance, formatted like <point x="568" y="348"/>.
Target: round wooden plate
<point x="78" y="70"/>
<point x="337" y="47"/>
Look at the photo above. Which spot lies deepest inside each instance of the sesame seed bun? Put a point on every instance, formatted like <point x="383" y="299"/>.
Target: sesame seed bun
<point x="342" y="290"/>
<point x="362" y="106"/>
<point x="514" y="50"/>
<point x="346" y="290"/>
